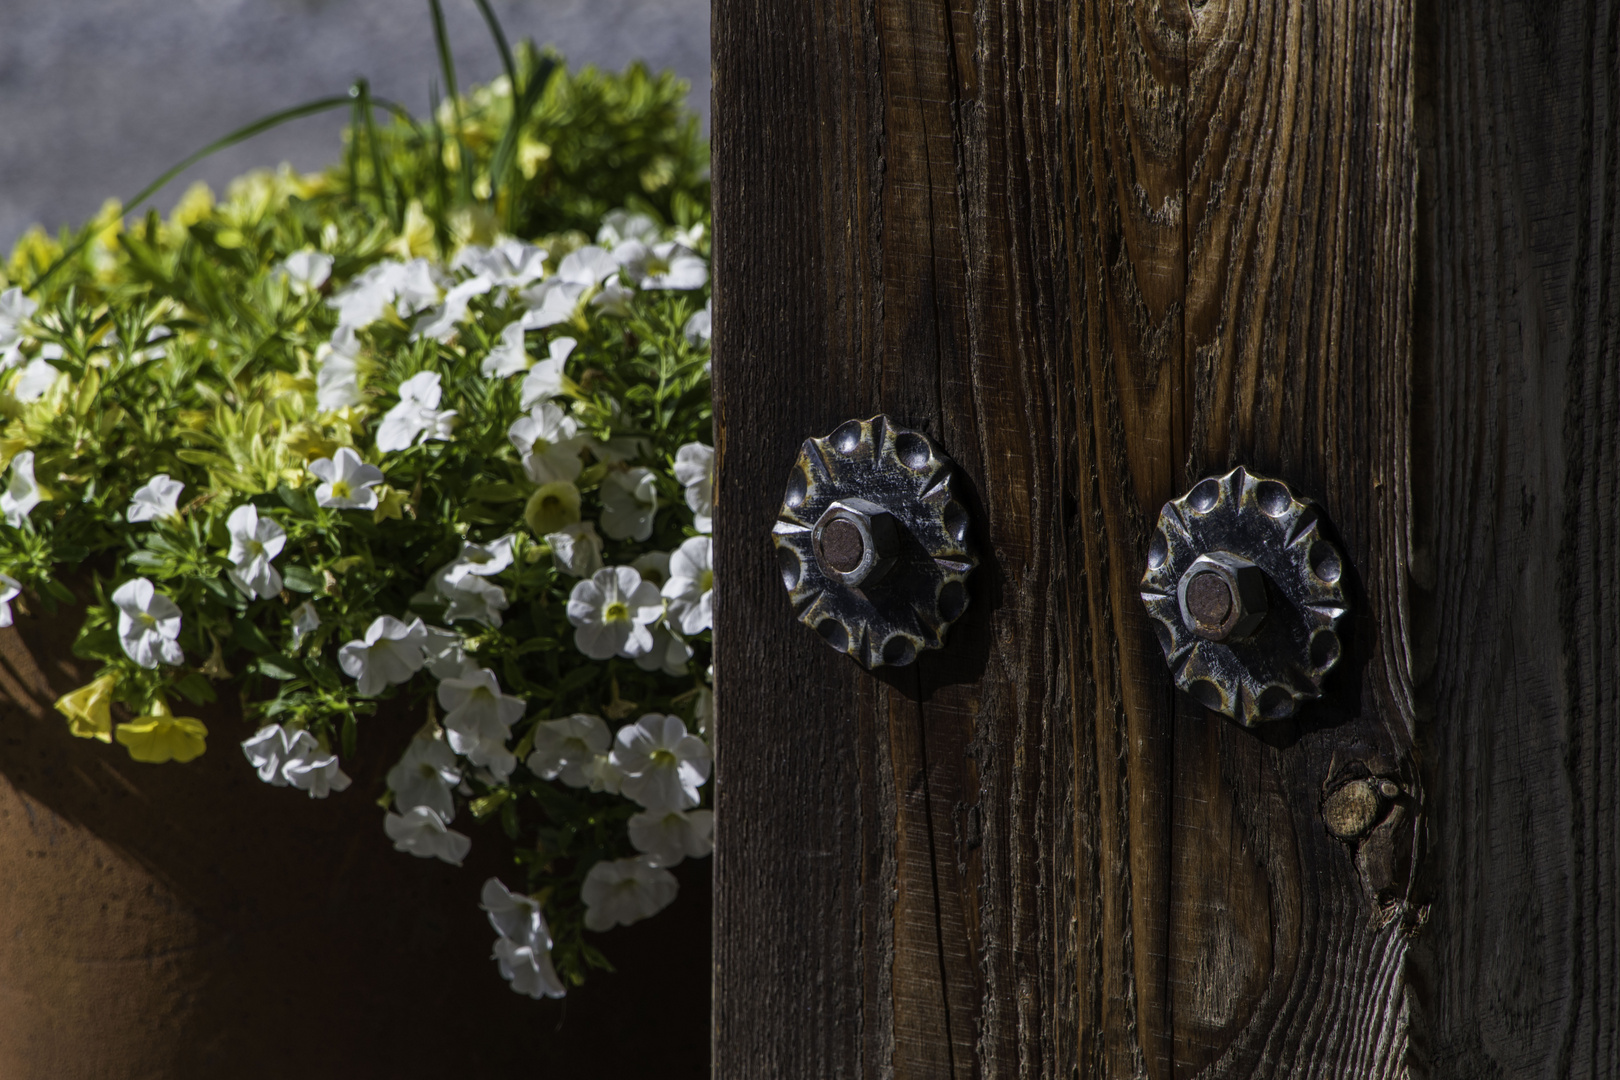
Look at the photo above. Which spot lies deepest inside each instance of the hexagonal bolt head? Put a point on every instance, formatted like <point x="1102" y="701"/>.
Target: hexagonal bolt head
<point x="1222" y="596"/>
<point x="855" y="542"/>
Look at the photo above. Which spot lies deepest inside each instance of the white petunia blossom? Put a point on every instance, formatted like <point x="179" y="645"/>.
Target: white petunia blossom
<point x="577" y="549"/>
<point x="694" y="470"/>
<point x="440" y="323"/>
<point x="549" y="441"/>
<point x="22" y="491"/>
<point x="426" y="775"/>
<point x="471" y="597"/>
<point x="629" y="503"/>
<point x="565" y="749"/>
<point x="621" y="225"/>
<point x="509" y="263"/>
<point x="346" y="481"/>
<point x="10" y="589"/>
<point x="603" y="775"/>
<point x="509" y="356"/>
<point x="663" y="763"/>
<point x="668" y="836"/>
<point x="417" y="414"/>
<point x="545" y="379"/>
<point x="392" y="652"/>
<point x="158" y="498"/>
<point x="422" y="832"/>
<point x="668" y="266"/>
<point x="487" y="559"/>
<point x="668" y="654"/>
<point x="445" y="656"/>
<point x="653" y="566"/>
<point x="148" y="624"/>
<point x="38" y="377"/>
<point x="624" y="891"/>
<point x="478" y="719"/>
<point x="523" y="951"/>
<point x="614" y="298"/>
<point x="613" y="611"/>
<point x="337" y="380"/>
<point x="283" y="757"/>
<point x="363" y="301"/>
<point x="306" y="271"/>
<point x="305" y="621"/>
<point x="255" y="541"/>
<point x="15" y="309"/>
<point x="690" y="588"/>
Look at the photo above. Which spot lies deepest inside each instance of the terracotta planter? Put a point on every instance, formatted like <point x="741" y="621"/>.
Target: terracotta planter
<point x="189" y="921"/>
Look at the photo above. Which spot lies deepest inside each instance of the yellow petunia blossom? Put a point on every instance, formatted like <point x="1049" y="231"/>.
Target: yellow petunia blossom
<point x="163" y="736"/>
<point x="89" y="709"/>
<point x="389" y="504"/>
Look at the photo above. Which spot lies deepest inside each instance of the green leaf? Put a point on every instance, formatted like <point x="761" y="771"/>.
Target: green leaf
<point x="278" y="666"/>
<point x="196" y="689"/>
<point x="251" y="638"/>
<point x="300" y="579"/>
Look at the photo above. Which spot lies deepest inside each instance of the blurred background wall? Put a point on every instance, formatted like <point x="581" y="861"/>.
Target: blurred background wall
<point x="99" y="97"/>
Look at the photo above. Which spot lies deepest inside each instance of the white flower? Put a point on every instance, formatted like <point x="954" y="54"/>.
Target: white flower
<point x="603" y="775"/>
<point x="621" y="225"/>
<point x="588" y="266"/>
<point x="15" y="309"/>
<point x="629" y="503"/>
<point x="306" y="271"/>
<point x="545" y="379"/>
<point x="668" y="654"/>
<point x="305" y="622"/>
<point x="22" y="492"/>
<point x="489" y="559"/>
<point x="523" y="950"/>
<point x="417" y="414"/>
<point x="690" y="237"/>
<point x="445" y="657"/>
<point x="148" y="624"/>
<point x="364" y="299"/>
<point x="699" y="329"/>
<point x="479" y="717"/>
<point x="347" y="481"/>
<point x="672" y="266"/>
<point x="309" y="768"/>
<point x="514" y="916"/>
<point x="422" y="832"/>
<point x="663" y="763"/>
<point x="577" y="549"/>
<point x="283" y="757"/>
<point x="255" y="541"/>
<point x="391" y="653"/>
<point x="426" y="775"/>
<point x="509" y="356"/>
<point x="624" y="891"/>
<point x="337" y="380"/>
<point x="10" y="589"/>
<point x="37" y="378"/>
<point x="268" y="750"/>
<point x="416" y="287"/>
<point x="668" y="836"/>
<point x="653" y="566"/>
<point x="549" y="441"/>
<point x="158" y="498"/>
<point x="549" y="303"/>
<point x="509" y="263"/>
<point x="471" y="597"/>
<point x="690" y="588"/>
<point x="440" y="323"/>
<point x="694" y="470"/>
<point x="564" y="749"/>
<point x="613" y="611"/>
<point x="614" y="299"/>
<point x="528" y="968"/>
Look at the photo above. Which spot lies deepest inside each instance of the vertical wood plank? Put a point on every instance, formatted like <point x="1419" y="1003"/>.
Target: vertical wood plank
<point x="1516" y="571"/>
<point x="1097" y="251"/>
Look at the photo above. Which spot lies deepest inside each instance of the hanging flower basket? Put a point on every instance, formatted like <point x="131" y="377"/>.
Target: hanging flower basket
<point x="356" y="550"/>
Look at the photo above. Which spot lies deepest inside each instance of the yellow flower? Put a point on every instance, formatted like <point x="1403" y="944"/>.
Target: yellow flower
<point x="552" y="508"/>
<point x="389" y="504"/>
<point x="89" y="709"/>
<point x="416" y="238"/>
<point x="163" y="736"/>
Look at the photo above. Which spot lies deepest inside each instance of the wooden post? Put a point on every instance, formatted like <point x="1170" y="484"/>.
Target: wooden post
<point x="1100" y="251"/>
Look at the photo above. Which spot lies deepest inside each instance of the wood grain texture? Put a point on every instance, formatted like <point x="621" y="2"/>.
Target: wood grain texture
<point x="1516" y="567"/>
<point x="1097" y="251"/>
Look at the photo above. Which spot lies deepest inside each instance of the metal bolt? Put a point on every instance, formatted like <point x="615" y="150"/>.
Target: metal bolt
<point x="1222" y="596"/>
<point x="855" y="542"/>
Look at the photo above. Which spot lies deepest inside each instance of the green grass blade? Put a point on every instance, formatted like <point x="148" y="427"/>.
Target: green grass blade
<point x="441" y="39"/>
<point x="496" y="32"/>
<point x="297" y="112"/>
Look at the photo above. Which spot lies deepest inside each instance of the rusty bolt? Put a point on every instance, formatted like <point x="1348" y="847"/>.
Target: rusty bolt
<point x="1222" y="596"/>
<point x="855" y="542"/>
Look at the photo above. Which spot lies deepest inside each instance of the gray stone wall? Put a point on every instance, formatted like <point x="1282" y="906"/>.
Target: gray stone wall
<point x="98" y="97"/>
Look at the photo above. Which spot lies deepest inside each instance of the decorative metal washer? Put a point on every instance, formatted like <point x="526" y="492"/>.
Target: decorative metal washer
<point x="873" y="545"/>
<point x="1246" y="595"/>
